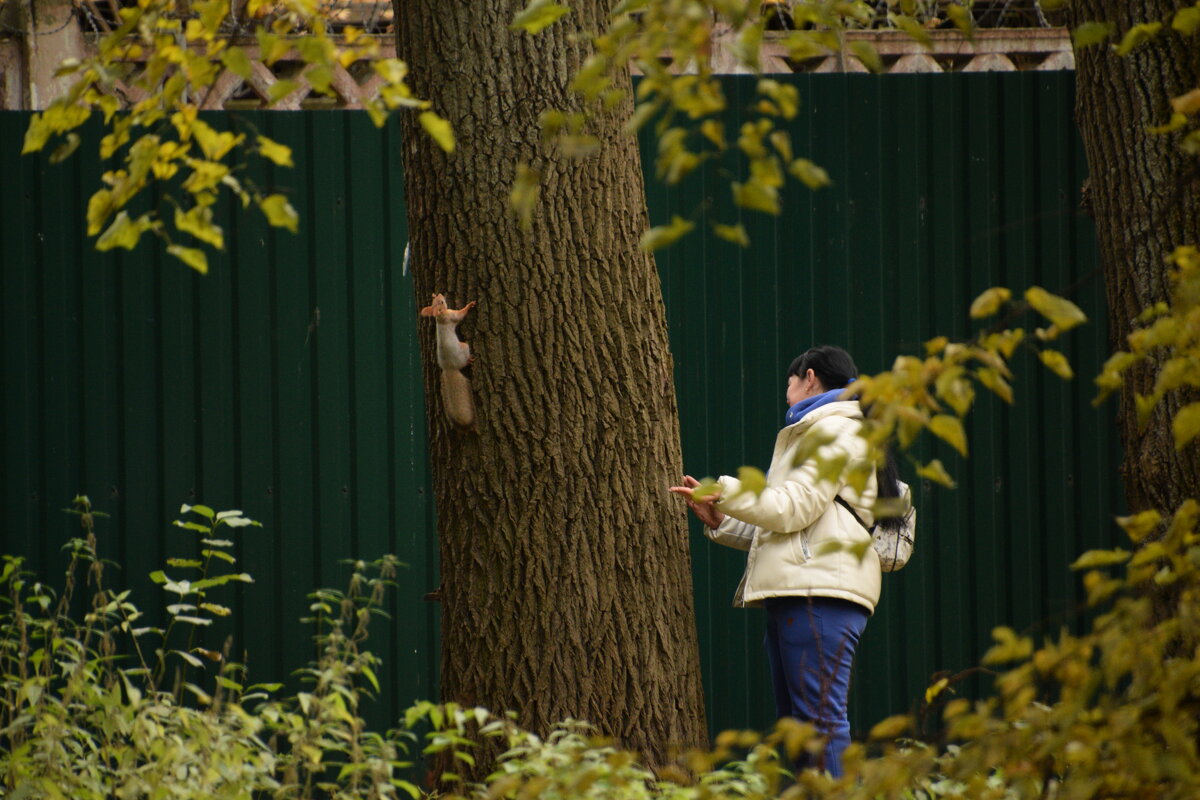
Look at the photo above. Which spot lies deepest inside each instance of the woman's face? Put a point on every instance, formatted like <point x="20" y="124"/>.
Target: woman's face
<point x="802" y="387"/>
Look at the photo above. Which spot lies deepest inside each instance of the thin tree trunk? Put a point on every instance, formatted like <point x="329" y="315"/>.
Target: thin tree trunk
<point x="1145" y="196"/>
<point x="566" y="581"/>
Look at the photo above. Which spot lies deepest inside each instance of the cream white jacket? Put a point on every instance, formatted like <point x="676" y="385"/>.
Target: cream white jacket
<point x="790" y="530"/>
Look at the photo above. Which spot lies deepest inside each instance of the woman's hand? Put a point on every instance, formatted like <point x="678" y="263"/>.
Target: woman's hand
<point x="705" y="510"/>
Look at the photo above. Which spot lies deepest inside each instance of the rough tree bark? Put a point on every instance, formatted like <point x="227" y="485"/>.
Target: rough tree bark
<point x="566" y="583"/>
<point x="1145" y="197"/>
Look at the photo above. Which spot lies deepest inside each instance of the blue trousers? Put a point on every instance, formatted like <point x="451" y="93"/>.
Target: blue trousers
<point x="810" y="645"/>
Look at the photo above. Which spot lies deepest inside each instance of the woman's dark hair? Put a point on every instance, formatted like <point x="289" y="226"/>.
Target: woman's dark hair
<point x="834" y="368"/>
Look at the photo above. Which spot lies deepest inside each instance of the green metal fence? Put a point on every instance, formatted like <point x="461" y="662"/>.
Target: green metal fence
<point x="287" y="382"/>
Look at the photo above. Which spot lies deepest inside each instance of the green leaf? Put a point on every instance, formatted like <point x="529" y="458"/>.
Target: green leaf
<point x="182" y="562"/>
<point x="158" y="576"/>
<point x="279" y="153"/>
<point x="950" y="430"/>
<point x="203" y="511"/>
<point x="539" y="14"/>
<point x="935" y="472"/>
<point x="236" y="61"/>
<point x="1092" y="33"/>
<point x="1100" y="558"/>
<point x="663" y="235"/>
<point x="752" y="480"/>
<point x="188" y="657"/>
<point x="1057" y="363"/>
<point x="1062" y="312"/>
<point x="866" y="53"/>
<point x="1186" y="425"/>
<point x="124" y="232"/>
<point x="439" y="129"/>
<point x="1137" y="36"/>
<point x="279" y="212"/>
<point x="191" y="256"/>
<point x="989" y="302"/>
<point x="280" y="90"/>
<point x="732" y="233"/>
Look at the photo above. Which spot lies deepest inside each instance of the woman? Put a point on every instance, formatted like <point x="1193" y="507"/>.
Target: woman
<point x="809" y="561"/>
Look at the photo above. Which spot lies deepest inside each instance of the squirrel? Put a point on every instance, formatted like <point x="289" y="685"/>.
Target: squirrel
<point x="452" y="356"/>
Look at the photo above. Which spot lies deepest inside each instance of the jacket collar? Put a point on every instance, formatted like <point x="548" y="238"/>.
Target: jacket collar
<point x="841" y="408"/>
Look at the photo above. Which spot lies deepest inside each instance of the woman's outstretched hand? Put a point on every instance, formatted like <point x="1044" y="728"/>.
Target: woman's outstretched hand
<point x="705" y="510"/>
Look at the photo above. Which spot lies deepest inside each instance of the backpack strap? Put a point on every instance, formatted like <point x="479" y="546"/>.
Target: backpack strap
<point x="853" y="513"/>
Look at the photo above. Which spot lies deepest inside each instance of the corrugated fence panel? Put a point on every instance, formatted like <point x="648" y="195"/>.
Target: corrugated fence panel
<point x="287" y="381"/>
<point x="942" y="187"/>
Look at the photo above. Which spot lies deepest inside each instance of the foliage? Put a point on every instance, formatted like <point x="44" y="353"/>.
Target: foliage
<point x="162" y="141"/>
<point x="85" y="712"/>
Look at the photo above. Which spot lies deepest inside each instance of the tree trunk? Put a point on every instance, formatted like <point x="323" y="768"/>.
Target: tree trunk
<point x="1144" y="195"/>
<point x="566" y="580"/>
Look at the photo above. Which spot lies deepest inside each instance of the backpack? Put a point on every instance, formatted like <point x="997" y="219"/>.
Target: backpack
<point x="894" y="547"/>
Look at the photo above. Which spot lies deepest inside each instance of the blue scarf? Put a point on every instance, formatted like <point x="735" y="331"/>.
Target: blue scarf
<point x="797" y="412"/>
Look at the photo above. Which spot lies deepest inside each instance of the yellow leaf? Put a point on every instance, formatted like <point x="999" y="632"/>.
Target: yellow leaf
<point x="989" y="302"/>
<point x="714" y="131"/>
<point x="1059" y="310"/>
<point x="1057" y="363"/>
<point x="1188" y="103"/>
<point x="809" y="173"/>
<point x="935" y="689"/>
<point x="539" y="14"/>
<point x="752" y="480"/>
<point x="198" y="222"/>
<point x="523" y="198"/>
<point x="191" y="256"/>
<point x="757" y="196"/>
<point x="1187" y="20"/>
<point x="890" y="728"/>
<point x="1008" y="647"/>
<point x="279" y="212"/>
<point x="1100" y="558"/>
<point x="1137" y="36"/>
<point x="1139" y="526"/>
<point x="935" y="472"/>
<point x="950" y="430"/>
<point x="936" y="345"/>
<point x="1091" y="33"/>
<point x="280" y="154"/>
<point x="1186" y="425"/>
<point x="961" y="18"/>
<point x="663" y="235"/>
<point x="439" y="129"/>
<point x="124" y="232"/>
<point x="783" y="144"/>
<point x="37" y="133"/>
<point x="785" y="96"/>
<point x="215" y="145"/>
<point x="733" y="233"/>
<point x="100" y="207"/>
